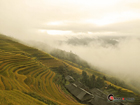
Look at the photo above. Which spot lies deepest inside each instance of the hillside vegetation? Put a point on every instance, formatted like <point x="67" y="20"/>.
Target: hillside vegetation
<point x="26" y="78"/>
<point x="76" y="62"/>
<point x="29" y="76"/>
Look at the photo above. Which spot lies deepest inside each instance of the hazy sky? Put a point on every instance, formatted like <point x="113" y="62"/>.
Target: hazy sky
<point x="70" y="17"/>
<point x="46" y="20"/>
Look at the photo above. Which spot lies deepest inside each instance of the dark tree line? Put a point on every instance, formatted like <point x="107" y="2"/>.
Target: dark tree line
<point x="69" y="56"/>
<point x="89" y="81"/>
<point x="64" y="71"/>
<point x="92" y="81"/>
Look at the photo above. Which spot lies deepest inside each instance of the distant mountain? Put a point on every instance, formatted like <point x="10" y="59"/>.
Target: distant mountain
<point x="104" y="40"/>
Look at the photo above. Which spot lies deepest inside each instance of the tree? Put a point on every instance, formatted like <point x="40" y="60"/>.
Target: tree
<point x="84" y="74"/>
<point x="119" y="90"/>
<point x="104" y="77"/>
<point x="115" y="83"/>
<point x="88" y="82"/>
<point x="84" y="77"/>
<point x="62" y="70"/>
<point x="99" y="83"/>
<point x="92" y="81"/>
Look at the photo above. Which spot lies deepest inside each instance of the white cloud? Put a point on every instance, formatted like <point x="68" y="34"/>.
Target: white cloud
<point x="77" y="16"/>
<point x="55" y="23"/>
<point x="58" y="32"/>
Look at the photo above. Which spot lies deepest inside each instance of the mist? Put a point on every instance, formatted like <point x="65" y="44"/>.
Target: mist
<point x="121" y="60"/>
<point x="39" y="22"/>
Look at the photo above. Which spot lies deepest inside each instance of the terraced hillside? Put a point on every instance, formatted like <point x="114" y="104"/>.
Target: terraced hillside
<point x="26" y="78"/>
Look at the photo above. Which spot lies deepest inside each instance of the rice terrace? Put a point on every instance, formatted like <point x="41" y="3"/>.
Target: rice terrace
<point x="26" y="80"/>
<point x="29" y="76"/>
<point x="69" y="52"/>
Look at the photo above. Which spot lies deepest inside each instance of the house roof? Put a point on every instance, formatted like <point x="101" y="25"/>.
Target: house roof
<point x="69" y="78"/>
<point x="79" y="84"/>
<point x="78" y="92"/>
<point x="98" y="92"/>
<point x="97" y="97"/>
<point x="87" y="97"/>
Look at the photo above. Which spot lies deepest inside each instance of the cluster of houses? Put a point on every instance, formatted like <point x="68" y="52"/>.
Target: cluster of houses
<point x="85" y="95"/>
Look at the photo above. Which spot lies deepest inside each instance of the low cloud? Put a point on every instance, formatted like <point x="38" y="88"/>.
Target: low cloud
<point x="24" y="20"/>
<point x="121" y="60"/>
<point x="120" y="28"/>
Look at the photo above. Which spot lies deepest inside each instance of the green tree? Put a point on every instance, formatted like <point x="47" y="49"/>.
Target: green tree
<point x="62" y="70"/>
<point x="119" y="90"/>
<point x="88" y="82"/>
<point x="99" y="83"/>
<point x="84" y="77"/>
<point x="92" y="81"/>
<point x="104" y="77"/>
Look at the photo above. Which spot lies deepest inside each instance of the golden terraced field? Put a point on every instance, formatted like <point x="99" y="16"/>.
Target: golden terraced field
<point x="25" y="77"/>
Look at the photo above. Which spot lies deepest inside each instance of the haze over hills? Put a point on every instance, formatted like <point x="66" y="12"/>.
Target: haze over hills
<point x="114" y="55"/>
<point x="112" y="40"/>
<point x="95" y="42"/>
<point x="27" y="72"/>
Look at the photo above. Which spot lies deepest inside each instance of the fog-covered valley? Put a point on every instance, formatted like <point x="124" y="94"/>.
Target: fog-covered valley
<point x="116" y="56"/>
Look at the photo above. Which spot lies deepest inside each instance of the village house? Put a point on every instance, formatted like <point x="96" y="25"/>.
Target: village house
<point x="79" y="93"/>
<point x="98" y="92"/>
<point x="69" y="78"/>
<point x="91" y="97"/>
